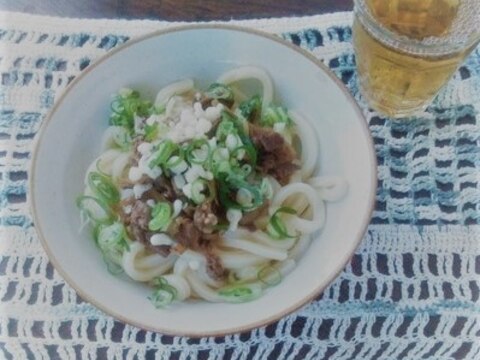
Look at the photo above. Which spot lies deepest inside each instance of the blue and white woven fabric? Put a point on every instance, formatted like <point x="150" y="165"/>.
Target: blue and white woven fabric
<point x="411" y="290"/>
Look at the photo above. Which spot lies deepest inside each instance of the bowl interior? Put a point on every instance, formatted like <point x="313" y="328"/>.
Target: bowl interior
<point x="71" y="139"/>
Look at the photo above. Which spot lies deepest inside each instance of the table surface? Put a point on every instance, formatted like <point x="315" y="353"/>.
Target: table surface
<point x="187" y="10"/>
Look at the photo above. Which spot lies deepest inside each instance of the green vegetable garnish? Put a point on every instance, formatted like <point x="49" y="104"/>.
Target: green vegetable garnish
<point x="274" y="115"/>
<point x="198" y="151"/>
<point x="164" y="293"/>
<point x="161" y="217"/>
<point x="163" y="153"/>
<point x="126" y="106"/>
<point x="250" y="109"/>
<point x="276" y="228"/>
<point x="269" y="275"/>
<point x="111" y="239"/>
<point x="103" y="188"/>
<point x="95" y="209"/>
<point x="240" y="293"/>
<point x="221" y="92"/>
<point x="151" y="132"/>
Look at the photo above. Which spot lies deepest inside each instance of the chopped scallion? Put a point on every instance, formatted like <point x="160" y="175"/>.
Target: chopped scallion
<point x="161" y="217"/>
<point x="276" y="227"/>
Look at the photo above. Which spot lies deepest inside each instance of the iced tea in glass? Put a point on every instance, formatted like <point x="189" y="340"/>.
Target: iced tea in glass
<point x="406" y="50"/>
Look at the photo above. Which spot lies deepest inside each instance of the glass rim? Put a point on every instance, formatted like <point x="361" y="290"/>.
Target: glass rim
<point x="406" y="44"/>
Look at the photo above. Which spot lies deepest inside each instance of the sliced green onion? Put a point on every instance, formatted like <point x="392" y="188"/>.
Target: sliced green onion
<point x="176" y="158"/>
<point x="238" y="123"/>
<point x="221" y="92"/>
<point x="235" y="153"/>
<point x="276" y="228"/>
<point x="161" y="217"/>
<point x="125" y="106"/>
<point x="194" y="148"/>
<point x="250" y="109"/>
<point x="99" y="170"/>
<point x="275" y="114"/>
<point x="197" y="187"/>
<point x="219" y="161"/>
<point x="266" y="188"/>
<point x="227" y="188"/>
<point x="95" y="209"/>
<point x="95" y="231"/>
<point x="164" y="294"/>
<point x="224" y="128"/>
<point x="257" y="198"/>
<point x="269" y="275"/>
<point x="163" y="153"/>
<point x="151" y="132"/>
<point x="231" y="124"/>
<point x="242" y="171"/>
<point x="240" y="293"/>
<point x="112" y="242"/>
<point x="113" y="268"/>
<point x="242" y="134"/>
<point x="103" y="188"/>
<point x="250" y="149"/>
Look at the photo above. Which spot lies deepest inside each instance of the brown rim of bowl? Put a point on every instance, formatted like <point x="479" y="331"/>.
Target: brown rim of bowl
<point x="264" y="322"/>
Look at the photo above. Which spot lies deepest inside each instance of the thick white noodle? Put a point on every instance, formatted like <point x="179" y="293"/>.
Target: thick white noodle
<point x="330" y="188"/>
<point x="104" y="162"/>
<point x="251" y="273"/>
<point x="202" y="289"/>
<point x="316" y="204"/>
<point x="262" y="238"/>
<point x="191" y="256"/>
<point x="150" y="261"/>
<point x="119" y="166"/>
<point x="238" y="259"/>
<point x="274" y="183"/>
<point x="286" y="267"/>
<point x="203" y="275"/>
<point x="299" y="203"/>
<point x="172" y="89"/>
<point x="297" y="176"/>
<point x="108" y="138"/>
<point x="251" y="72"/>
<point x="130" y="264"/>
<point x="309" y="141"/>
<point x="248" y="273"/>
<point x="180" y="267"/>
<point x="256" y="249"/>
<point x="180" y="284"/>
<point x="300" y="247"/>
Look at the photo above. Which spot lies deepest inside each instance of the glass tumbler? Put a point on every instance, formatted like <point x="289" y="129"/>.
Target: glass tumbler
<point x="406" y="50"/>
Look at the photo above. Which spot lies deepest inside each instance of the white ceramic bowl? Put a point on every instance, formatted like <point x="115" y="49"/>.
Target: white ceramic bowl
<point x="70" y="139"/>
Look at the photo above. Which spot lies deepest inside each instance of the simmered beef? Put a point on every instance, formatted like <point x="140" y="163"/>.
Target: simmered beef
<point x="215" y="267"/>
<point x="140" y="215"/>
<point x="139" y="219"/>
<point x="276" y="156"/>
<point x="164" y="187"/>
<point x="186" y="233"/>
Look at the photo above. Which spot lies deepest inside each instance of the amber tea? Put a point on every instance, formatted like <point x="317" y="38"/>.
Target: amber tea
<point x="400" y="67"/>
